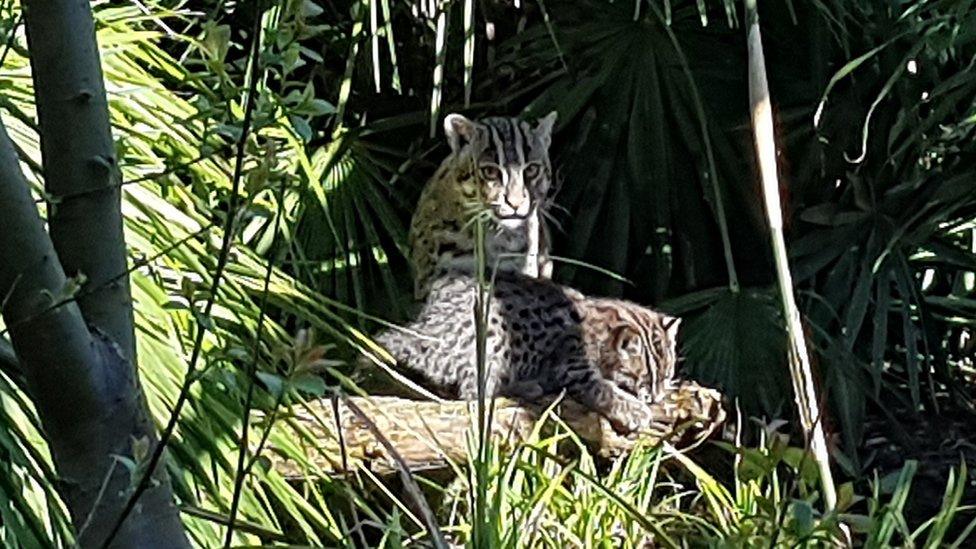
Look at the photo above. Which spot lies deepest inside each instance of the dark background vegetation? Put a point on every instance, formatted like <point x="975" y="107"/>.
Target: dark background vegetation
<point x="875" y="114"/>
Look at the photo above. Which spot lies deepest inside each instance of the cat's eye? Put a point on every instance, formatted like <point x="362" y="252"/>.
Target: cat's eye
<point x="491" y="173"/>
<point x="531" y="171"/>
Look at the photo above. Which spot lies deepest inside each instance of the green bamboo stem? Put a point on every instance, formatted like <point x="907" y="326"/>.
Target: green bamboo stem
<point x="800" y="373"/>
<point x="440" y="52"/>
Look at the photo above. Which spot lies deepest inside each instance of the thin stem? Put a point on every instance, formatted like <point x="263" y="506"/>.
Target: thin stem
<point x="346" y="87"/>
<point x="409" y="484"/>
<point x="10" y="39"/>
<point x="88" y="291"/>
<point x="552" y="35"/>
<point x="251" y="373"/>
<point x="712" y="174"/>
<point x="469" y="44"/>
<point x="440" y="54"/>
<point x="62" y="198"/>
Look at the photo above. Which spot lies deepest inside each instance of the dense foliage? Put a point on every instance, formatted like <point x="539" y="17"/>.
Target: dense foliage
<point x="658" y="201"/>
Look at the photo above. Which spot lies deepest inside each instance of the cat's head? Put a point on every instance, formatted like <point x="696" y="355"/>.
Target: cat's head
<point x="509" y="158"/>
<point x="644" y="351"/>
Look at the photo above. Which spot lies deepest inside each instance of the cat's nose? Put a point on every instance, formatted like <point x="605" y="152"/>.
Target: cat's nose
<point x="514" y="201"/>
<point x="518" y="199"/>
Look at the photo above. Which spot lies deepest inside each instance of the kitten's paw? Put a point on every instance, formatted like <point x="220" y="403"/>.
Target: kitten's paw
<point x="631" y="416"/>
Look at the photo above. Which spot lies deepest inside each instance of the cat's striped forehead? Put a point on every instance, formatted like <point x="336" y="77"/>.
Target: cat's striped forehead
<point x="512" y="142"/>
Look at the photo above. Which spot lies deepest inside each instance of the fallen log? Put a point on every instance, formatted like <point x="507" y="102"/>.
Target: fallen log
<point x="430" y="435"/>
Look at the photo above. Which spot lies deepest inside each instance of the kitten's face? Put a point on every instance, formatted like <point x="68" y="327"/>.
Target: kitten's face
<point x="645" y="353"/>
<point x="629" y="369"/>
<point x="511" y="162"/>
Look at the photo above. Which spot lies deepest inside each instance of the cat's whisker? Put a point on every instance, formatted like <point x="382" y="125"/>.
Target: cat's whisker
<point x="553" y="221"/>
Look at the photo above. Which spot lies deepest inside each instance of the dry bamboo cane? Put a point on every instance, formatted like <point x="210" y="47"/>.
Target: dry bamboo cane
<point x="762" y="125"/>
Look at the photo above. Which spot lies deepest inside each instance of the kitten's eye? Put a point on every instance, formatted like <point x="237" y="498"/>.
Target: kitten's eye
<point x="491" y="173"/>
<point x="531" y="171"/>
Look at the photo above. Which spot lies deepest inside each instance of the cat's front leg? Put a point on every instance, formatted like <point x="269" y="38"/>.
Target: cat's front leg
<point x="628" y="413"/>
<point x="527" y="391"/>
<point x="625" y="412"/>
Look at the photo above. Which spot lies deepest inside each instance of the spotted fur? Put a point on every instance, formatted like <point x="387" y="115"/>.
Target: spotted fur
<point x="499" y="169"/>
<point x="611" y="355"/>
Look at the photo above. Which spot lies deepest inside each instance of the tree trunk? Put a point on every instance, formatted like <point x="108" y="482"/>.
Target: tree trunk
<point x="82" y="386"/>
<point x="78" y="358"/>
<point x="80" y="169"/>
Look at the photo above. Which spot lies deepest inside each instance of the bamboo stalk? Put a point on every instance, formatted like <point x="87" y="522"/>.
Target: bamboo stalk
<point x="440" y="52"/>
<point x="799" y="358"/>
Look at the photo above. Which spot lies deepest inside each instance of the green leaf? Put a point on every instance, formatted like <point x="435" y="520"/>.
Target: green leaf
<point x="216" y="41"/>
<point x="319" y="107"/>
<point x="302" y="128"/>
<point x="273" y="383"/>
<point x="802" y="517"/>
<point x="311" y="9"/>
<point x="738" y="344"/>
<point x="309" y="383"/>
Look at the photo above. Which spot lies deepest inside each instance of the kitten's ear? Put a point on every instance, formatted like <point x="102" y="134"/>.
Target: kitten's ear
<point x="671" y="325"/>
<point x="543" y="130"/>
<point x="459" y="130"/>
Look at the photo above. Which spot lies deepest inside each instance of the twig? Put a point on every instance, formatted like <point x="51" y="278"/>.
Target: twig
<point x="90" y="290"/>
<point x="98" y="499"/>
<point x="11" y="38"/>
<point x="408" y="482"/>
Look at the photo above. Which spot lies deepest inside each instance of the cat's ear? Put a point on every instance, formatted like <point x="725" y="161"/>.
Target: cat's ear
<point x="671" y="325"/>
<point x="459" y="130"/>
<point x="543" y="129"/>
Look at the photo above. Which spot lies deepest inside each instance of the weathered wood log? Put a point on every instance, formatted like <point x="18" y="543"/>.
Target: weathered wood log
<point x="429" y="435"/>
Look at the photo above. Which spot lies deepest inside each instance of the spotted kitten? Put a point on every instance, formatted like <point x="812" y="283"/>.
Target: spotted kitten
<point x="498" y="168"/>
<point x="610" y="355"/>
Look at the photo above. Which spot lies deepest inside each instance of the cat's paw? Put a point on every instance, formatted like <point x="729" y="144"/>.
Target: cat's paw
<point x="630" y="416"/>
